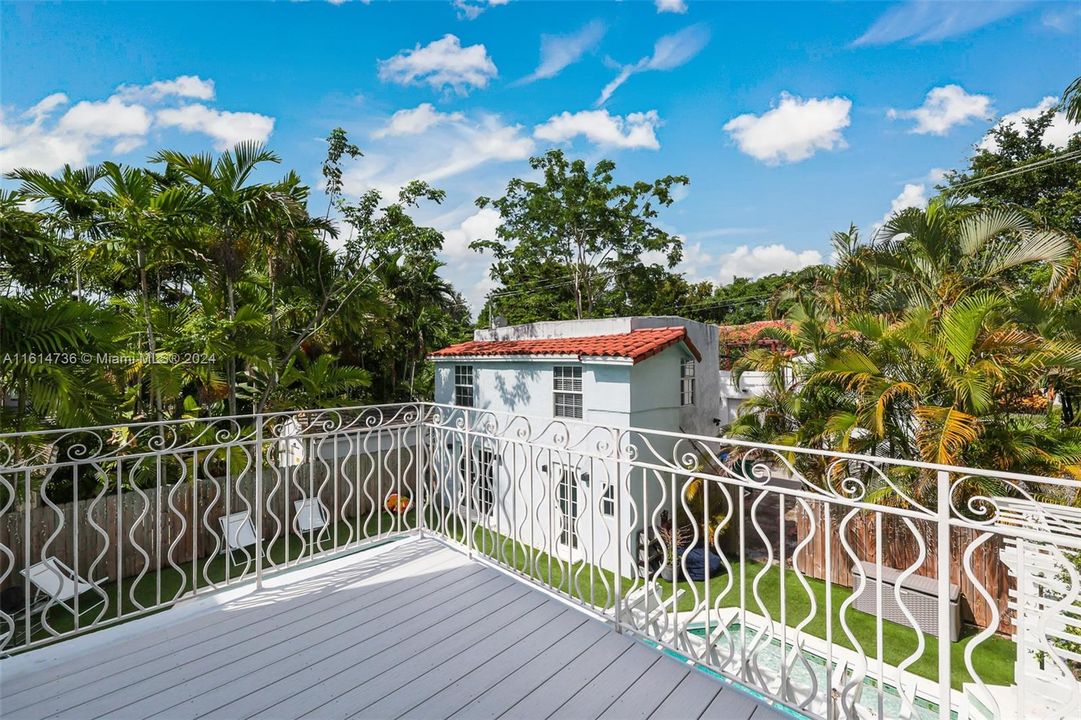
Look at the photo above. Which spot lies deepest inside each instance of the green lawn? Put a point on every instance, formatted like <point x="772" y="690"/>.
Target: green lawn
<point x="993" y="659"/>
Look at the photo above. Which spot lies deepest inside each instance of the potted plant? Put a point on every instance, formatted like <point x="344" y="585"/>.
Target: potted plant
<point x="674" y="539"/>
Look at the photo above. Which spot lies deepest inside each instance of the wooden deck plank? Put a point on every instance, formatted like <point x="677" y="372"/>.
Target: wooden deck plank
<point x="488" y="677"/>
<point x="327" y="653"/>
<point x="109" y="695"/>
<point x="549" y="695"/>
<point x="409" y="557"/>
<point x="689" y="699"/>
<point x="731" y="703"/>
<point x="341" y="694"/>
<point x="403" y="697"/>
<point x="365" y="665"/>
<point x="536" y="672"/>
<point x="642" y="698"/>
<point x="421" y="632"/>
<point x="594" y="698"/>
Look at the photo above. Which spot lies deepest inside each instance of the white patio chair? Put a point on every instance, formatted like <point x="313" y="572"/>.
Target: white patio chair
<point x="238" y="531"/>
<point x="311" y="514"/>
<point x="54" y="583"/>
<point x="648" y="612"/>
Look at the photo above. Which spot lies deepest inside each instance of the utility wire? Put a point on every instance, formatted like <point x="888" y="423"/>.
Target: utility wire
<point x="1019" y="170"/>
<point x="1010" y="172"/>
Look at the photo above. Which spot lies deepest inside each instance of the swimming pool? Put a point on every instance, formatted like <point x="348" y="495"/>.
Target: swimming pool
<point x="770" y="658"/>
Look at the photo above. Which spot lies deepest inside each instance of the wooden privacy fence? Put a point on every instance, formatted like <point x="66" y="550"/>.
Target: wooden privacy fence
<point x="901" y="550"/>
<point x="157" y="531"/>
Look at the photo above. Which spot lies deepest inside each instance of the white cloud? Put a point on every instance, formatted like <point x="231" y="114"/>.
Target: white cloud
<point x="110" y="118"/>
<point x="183" y="86"/>
<point x="912" y="195"/>
<point x="489" y="140"/>
<point x="921" y="21"/>
<point x="944" y="108"/>
<point x="793" y="130"/>
<point x="227" y="128"/>
<point x="74" y="137"/>
<point x="671" y="6"/>
<point x="442" y="64"/>
<point x="559" y="51"/>
<point x="46" y="106"/>
<point x="1058" y="133"/>
<point x="696" y="264"/>
<point x="449" y="149"/>
<point x="42" y="139"/>
<point x="469" y="267"/>
<point x="1063" y="18"/>
<point x="481" y="225"/>
<point x="126" y="145"/>
<point x="762" y="260"/>
<point x="416" y="121"/>
<point x="669" y="52"/>
<point x="637" y="130"/>
<point x="471" y="9"/>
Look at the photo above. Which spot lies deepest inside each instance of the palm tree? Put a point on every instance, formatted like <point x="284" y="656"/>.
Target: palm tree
<point x="73" y="389"/>
<point x="29" y="257"/>
<point x="1071" y="101"/>
<point x="73" y="207"/>
<point x="238" y="214"/>
<point x="933" y="257"/>
<point x="145" y="222"/>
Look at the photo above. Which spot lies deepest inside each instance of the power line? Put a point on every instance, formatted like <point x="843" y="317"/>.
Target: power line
<point x="567" y="281"/>
<point x="1010" y="172"/>
<point x="1019" y="170"/>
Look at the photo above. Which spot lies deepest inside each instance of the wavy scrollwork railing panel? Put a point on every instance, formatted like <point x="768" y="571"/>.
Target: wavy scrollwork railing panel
<point x="825" y="581"/>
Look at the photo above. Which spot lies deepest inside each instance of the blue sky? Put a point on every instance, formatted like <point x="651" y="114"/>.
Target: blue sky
<point x="792" y="119"/>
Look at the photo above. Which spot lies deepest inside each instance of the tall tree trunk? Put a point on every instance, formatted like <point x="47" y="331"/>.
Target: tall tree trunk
<point x="144" y="286"/>
<point x="231" y="363"/>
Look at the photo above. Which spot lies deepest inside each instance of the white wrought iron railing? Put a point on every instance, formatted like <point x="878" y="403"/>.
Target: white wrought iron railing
<point x="838" y="585"/>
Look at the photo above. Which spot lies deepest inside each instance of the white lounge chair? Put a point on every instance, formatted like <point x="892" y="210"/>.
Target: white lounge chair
<point x="311" y="514"/>
<point x="54" y="583"/>
<point x="238" y="531"/>
<point x="648" y="612"/>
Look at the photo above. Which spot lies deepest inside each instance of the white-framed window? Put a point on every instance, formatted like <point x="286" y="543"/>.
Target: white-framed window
<point x="567" y="391"/>
<point x="686" y="381"/>
<point x="567" y="506"/>
<point x="463" y="385"/>
<point x="608" y="501"/>
<point x="482" y="481"/>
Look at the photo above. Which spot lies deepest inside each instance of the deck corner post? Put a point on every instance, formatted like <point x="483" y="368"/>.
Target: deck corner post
<point x="467" y="483"/>
<point x="618" y="579"/>
<point x="942" y="521"/>
<point x="259" y="501"/>
<point x="420" y="437"/>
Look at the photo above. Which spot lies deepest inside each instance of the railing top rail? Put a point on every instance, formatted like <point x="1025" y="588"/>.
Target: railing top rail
<point x="955" y="470"/>
<point x="424" y="414"/>
<point x="250" y="417"/>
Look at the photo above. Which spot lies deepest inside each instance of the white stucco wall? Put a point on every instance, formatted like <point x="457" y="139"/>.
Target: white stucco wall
<point x="615" y="393"/>
<point x="732" y="396"/>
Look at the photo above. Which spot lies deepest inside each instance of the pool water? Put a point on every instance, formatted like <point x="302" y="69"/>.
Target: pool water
<point x="770" y="659"/>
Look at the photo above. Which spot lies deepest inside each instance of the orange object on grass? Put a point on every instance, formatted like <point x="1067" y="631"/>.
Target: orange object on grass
<point x="397" y="503"/>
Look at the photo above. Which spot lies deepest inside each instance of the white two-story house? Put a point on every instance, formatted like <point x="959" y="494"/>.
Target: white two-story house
<point x="569" y="386"/>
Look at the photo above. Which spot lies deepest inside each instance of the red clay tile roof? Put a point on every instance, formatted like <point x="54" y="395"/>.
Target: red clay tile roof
<point x="636" y="345"/>
<point x="748" y="332"/>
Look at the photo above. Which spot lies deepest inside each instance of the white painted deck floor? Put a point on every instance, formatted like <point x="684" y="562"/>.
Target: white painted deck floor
<point x="409" y="630"/>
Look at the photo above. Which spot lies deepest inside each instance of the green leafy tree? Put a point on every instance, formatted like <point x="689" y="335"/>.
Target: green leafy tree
<point x="582" y="230"/>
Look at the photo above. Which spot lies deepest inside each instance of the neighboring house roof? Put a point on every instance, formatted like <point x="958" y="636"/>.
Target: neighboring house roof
<point x="636" y="345"/>
<point x="748" y="332"/>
